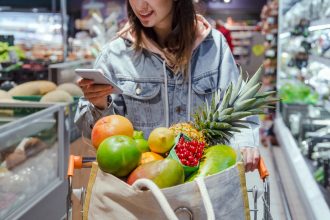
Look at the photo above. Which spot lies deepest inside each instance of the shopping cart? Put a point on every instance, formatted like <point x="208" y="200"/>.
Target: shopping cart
<point x="78" y="162"/>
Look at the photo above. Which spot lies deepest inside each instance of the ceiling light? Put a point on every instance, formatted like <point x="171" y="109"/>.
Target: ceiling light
<point x="226" y="1"/>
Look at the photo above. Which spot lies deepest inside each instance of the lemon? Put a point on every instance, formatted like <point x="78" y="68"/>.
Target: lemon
<point x="161" y="140"/>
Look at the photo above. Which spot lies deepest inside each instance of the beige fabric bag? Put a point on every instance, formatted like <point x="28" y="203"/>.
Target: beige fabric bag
<point x="220" y="196"/>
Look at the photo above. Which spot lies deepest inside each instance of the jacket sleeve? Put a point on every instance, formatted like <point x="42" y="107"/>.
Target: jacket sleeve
<point x="87" y="114"/>
<point x="248" y="137"/>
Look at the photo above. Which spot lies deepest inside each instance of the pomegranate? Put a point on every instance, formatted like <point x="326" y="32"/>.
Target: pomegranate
<point x="189" y="152"/>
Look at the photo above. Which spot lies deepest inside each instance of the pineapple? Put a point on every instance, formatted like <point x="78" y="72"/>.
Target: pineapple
<point x="188" y="129"/>
<point x="216" y="122"/>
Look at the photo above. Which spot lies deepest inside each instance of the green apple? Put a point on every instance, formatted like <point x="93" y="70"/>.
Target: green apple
<point x="138" y="134"/>
<point x="118" y="155"/>
<point x="142" y="145"/>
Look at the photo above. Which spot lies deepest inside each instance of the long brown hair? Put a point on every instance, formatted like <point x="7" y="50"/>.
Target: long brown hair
<point x="180" y="41"/>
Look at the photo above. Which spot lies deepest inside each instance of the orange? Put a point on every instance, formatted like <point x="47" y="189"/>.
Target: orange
<point x="150" y="156"/>
<point x="109" y="126"/>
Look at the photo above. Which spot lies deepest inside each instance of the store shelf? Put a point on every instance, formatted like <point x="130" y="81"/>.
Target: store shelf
<point x="311" y="195"/>
<point x="285" y="34"/>
<point x="319" y="24"/>
<point x="241" y="28"/>
<point x="327" y="105"/>
<point x="240" y="44"/>
<point x="241" y="37"/>
<point x="323" y="60"/>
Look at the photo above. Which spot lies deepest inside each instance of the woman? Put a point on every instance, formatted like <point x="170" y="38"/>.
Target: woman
<point x="168" y="61"/>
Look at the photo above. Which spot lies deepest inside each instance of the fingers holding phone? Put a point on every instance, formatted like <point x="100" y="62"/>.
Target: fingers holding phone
<point x="97" y="94"/>
<point x="96" y="86"/>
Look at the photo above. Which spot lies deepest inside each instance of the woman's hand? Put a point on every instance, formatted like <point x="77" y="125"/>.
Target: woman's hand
<point x="251" y="158"/>
<point x="97" y="94"/>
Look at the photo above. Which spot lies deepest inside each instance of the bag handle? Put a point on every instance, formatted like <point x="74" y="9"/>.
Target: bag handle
<point x="161" y="199"/>
<point x="206" y="198"/>
<point x="165" y="206"/>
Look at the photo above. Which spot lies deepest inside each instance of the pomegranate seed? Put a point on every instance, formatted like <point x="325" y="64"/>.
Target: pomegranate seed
<point x="189" y="152"/>
<point x="191" y="158"/>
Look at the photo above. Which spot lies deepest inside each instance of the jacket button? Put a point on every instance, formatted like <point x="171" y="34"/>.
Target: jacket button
<point x="178" y="109"/>
<point x="138" y="91"/>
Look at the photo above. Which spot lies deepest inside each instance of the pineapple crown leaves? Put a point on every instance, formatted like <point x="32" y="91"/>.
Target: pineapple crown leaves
<point x="219" y="119"/>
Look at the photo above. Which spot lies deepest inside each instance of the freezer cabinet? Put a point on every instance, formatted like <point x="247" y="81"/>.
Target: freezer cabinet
<point x="33" y="157"/>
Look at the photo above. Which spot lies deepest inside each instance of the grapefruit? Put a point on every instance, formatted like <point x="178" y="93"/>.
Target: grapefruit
<point x="109" y="126"/>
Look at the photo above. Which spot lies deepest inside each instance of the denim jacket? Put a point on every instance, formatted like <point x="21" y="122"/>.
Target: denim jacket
<point x="153" y="96"/>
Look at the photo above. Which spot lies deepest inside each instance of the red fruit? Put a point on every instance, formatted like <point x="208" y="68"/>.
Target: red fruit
<point x="189" y="152"/>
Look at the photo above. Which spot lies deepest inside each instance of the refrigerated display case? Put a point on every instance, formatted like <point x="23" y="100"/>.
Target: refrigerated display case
<point x="64" y="72"/>
<point x="39" y="34"/>
<point x="302" y="124"/>
<point x="34" y="148"/>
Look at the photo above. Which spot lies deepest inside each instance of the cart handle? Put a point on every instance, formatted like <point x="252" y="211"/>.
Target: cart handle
<point x="78" y="162"/>
<point x="263" y="172"/>
<point x="74" y="162"/>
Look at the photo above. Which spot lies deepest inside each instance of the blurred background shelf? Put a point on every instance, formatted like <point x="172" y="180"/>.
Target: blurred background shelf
<point x="323" y="60"/>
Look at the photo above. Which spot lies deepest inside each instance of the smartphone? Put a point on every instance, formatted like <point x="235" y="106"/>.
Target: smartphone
<point x="98" y="77"/>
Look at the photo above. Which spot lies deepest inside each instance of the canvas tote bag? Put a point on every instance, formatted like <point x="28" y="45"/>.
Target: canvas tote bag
<point x="220" y="196"/>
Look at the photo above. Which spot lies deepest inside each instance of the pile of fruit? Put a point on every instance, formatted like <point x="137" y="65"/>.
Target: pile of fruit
<point x="185" y="151"/>
<point x="43" y="91"/>
<point x="6" y="50"/>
